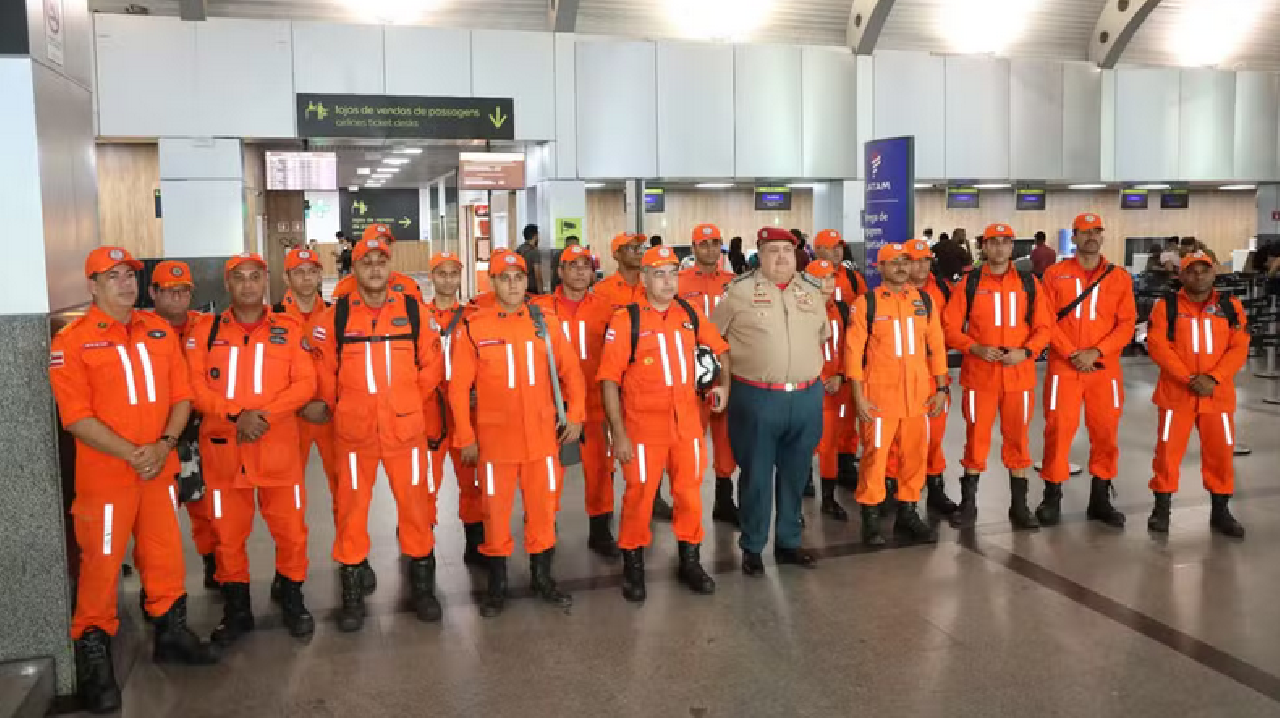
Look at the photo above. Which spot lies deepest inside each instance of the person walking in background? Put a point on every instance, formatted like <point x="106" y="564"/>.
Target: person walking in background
<point x="737" y="260"/>
<point x="1042" y="255"/>
<point x="803" y="255"/>
<point x="528" y="250"/>
<point x="951" y="257"/>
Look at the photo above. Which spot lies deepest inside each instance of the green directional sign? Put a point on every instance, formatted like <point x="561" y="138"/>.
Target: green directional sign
<point x="402" y="116"/>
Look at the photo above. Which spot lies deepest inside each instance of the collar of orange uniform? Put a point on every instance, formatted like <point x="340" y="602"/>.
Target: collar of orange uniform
<point x="986" y="272"/>
<point x="228" y="315"/>
<point x="105" y="322"/>
<point x="1213" y="297"/>
<point x="904" y="292"/>
<point x="712" y="274"/>
<point x="1102" y="264"/>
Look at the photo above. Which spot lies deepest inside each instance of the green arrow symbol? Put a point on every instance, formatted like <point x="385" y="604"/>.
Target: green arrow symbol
<point x="405" y="222"/>
<point x="498" y="118"/>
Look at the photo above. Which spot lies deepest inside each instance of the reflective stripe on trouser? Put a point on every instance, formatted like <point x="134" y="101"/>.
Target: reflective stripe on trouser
<point x="685" y="463"/>
<point x="878" y="437"/>
<point x="201" y="515"/>
<point x="415" y="504"/>
<point x="597" y="468"/>
<point x="936" y="461"/>
<point x="1014" y="408"/>
<point x="1217" y="449"/>
<point x="773" y="435"/>
<point x="322" y="436"/>
<point x="1102" y="393"/>
<point x="538" y="481"/>
<point x="104" y="522"/>
<point x="828" y="450"/>
<point x="284" y="509"/>
<point x="470" y="493"/>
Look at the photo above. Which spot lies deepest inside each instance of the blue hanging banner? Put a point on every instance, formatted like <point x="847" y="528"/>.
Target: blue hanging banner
<point x="889" y="215"/>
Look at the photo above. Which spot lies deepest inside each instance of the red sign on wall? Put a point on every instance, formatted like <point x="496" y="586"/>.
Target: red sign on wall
<point x="1275" y="215"/>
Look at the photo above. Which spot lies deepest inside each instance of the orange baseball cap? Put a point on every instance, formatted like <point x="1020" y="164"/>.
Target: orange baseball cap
<point x="1004" y="230"/>
<point x="775" y="234"/>
<point x="378" y="231"/>
<point x="441" y="258"/>
<point x="828" y="238"/>
<point x="890" y="252"/>
<point x="626" y="238"/>
<point x="298" y="257"/>
<point x="574" y="251"/>
<point x="659" y="256"/>
<point x="820" y="269"/>
<point x="244" y="258"/>
<point x="171" y="273"/>
<point x="104" y="258"/>
<point x="505" y="260"/>
<point x="1196" y="256"/>
<point x="1087" y="221"/>
<point x="919" y="249"/>
<point x="367" y="245"/>
<point x="706" y="232"/>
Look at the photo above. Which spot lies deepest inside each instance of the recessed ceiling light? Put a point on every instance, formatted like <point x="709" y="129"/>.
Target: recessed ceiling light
<point x="387" y="170"/>
<point x="594" y="185"/>
<point x="1086" y="186"/>
<point x="983" y="26"/>
<point x="718" y="19"/>
<point x="994" y="185"/>
<point x="382" y="175"/>
<point x="1156" y="186"/>
<point x="923" y="185"/>
<point x="396" y="161"/>
<point x="714" y="185"/>
<point x="409" y="150"/>
<point x="364" y="171"/>
<point x="803" y="185"/>
<point x="353" y="188"/>
<point x="392" y="11"/>
<point x="1238" y="187"/>
<point x="1209" y="32"/>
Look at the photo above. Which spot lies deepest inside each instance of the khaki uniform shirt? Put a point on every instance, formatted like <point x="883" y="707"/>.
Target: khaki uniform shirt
<point x="774" y="335"/>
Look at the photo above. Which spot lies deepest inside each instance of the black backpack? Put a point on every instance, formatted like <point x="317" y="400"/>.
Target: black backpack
<point x="971" y="290"/>
<point x="342" y="312"/>
<point x="871" y="315"/>
<point x="1225" y="305"/>
<point x="633" y="311"/>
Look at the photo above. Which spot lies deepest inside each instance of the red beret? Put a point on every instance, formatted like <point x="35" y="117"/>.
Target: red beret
<point x="775" y="234"/>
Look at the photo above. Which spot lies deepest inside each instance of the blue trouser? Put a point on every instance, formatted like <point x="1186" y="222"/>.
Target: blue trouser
<point x="771" y="430"/>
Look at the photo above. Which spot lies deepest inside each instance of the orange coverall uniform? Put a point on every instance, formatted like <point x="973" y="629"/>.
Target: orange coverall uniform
<point x="584" y="326"/>
<point x="704" y="290"/>
<point x="837" y="408"/>
<point x="936" y="461"/>
<point x="663" y="416"/>
<point x="376" y="390"/>
<point x="470" y="499"/>
<point x="262" y="368"/>
<point x="998" y="319"/>
<point x="848" y="293"/>
<point x="199" y="512"/>
<point x="128" y="376"/>
<point x="319" y="434"/>
<point x="904" y="353"/>
<point x="1205" y="343"/>
<point x="1103" y="321"/>
<point x="396" y="282"/>
<point x="615" y="290"/>
<point x="502" y="356"/>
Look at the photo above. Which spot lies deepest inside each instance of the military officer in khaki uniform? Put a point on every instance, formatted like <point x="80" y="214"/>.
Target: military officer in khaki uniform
<point x="775" y="321"/>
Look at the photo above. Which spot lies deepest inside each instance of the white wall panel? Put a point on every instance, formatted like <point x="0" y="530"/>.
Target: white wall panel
<point x="186" y="158"/>
<point x="23" y="289"/>
<point x="695" y="110"/>
<point x="566" y="144"/>
<point x="1206" y="124"/>
<point x="519" y="65"/>
<point x="1082" y="97"/>
<point x="1035" y="119"/>
<point x="909" y="92"/>
<point x="617" y="109"/>
<point x="1146" y="121"/>
<point x="1257" y="126"/>
<point x="244" y="78"/>
<point x="339" y="59"/>
<point x="829" y="105"/>
<point x="146" y="75"/>
<point x="427" y="61"/>
<point x="768" y="130"/>
<point x="203" y="218"/>
<point x="977" y="112"/>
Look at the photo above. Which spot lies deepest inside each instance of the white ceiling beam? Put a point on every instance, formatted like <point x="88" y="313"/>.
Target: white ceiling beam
<point x="866" y="20"/>
<point x="1116" y="26"/>
<point x="564" y="15"/>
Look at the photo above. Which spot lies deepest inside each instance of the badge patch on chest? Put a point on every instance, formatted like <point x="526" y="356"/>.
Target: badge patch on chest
<point x="921" y="313"/>
<point x="648" y="361"/>
<point x="279" y="330"/>
<point x="278" y="340"/>
<point x="400" y="322"/>
<point x="488" y="343"/>
<point x="761" y="299"/>
<point x="214" y="373"/>
<point x="804" y="300"/>
<point x="157" y="334"/>
<point x="96" y="345"/>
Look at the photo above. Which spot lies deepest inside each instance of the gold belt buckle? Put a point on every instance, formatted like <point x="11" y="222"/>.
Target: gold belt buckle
<point x="789" y="387"/>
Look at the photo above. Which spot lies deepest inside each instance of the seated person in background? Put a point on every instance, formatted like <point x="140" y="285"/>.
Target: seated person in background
<point x="1170" y="255"/>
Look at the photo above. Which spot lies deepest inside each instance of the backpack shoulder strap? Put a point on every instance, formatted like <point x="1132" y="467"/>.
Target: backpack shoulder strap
<point x="453" y="323"/>
<point x="871" y="320"/>
<point x="633" y="312"/>
<point x="1171" y="315"/>
<point x="414" y="311"/>
<point x="944" y="289"/>
<point x="927" y="299"/>
<point x="341" y="313"/>
<point x="278" y="308"/>
<point x="1029" y="287"/>
<point x="693" y="316"/>
<point x="539" y="320"/>
<point x="971" y="280"/>
<point x="843" y="308"/>
<point x="1062" y="313"/>
<point x="213" y="332"/>
<point x="1228" y="308"/>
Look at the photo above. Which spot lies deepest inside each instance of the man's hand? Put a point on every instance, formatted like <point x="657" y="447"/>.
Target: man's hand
<point x="1086" y="359"/>
<point x="986" y="353"/>
<point x="936" y="403"/>
<point x="569" y="433"/>
<point x="832" y="385"/>
<point x="1203" y="384"/>
<point x="251" y="425"/>
<point x="866" y="410"/>
<point x="470" y="455"/>
<point x="316" y="412"/>
<point x="623" y="451"/>
<point x="1016" y="355"/>
<point x="148" y="459"/>
<point x="719" y="398"/>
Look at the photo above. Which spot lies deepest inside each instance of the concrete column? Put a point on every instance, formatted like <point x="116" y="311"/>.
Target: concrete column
<point x="48" y="197"/>
<point x="838" y="205"/>
<point x="562" y="199"/>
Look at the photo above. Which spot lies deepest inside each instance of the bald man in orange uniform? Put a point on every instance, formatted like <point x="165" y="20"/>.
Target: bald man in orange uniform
<point x="850" y="284"/>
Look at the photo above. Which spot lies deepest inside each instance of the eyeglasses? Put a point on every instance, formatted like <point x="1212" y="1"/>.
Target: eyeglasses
<point x="633" y="247"/>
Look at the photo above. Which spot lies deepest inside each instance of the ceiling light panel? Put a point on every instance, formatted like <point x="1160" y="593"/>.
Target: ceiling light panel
<point x="1206" y="33"/>
<point x="984" y="26"/>
<point x="728" y="20"/>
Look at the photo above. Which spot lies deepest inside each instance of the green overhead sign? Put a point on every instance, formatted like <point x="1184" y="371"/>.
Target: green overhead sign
<point x="430" y="118"/>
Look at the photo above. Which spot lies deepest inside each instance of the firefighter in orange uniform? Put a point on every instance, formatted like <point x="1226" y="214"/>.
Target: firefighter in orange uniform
<point x="649" y="376"/>
<point x="1199" y="340"/>
<point x="703" y="285"/>
<point x="850" y="284"/>
<point x="584" y="317"/>
<point x="999" y="319"/>
<point x="519" y="364"/>
<point x="250" y="374"/>
<point x="835" y="401"/>
<point x="377" y="364"/>
<point x="397" y="282"/>
<point x="123" y="392"/>
<point x="1095" y="317"/>
<point x="895" y="356"/>
<point x="171" y="290"/>
<point x="446" y="313"/>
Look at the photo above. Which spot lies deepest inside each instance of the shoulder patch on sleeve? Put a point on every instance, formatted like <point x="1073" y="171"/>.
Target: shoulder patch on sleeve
<point x="57" y="359"/>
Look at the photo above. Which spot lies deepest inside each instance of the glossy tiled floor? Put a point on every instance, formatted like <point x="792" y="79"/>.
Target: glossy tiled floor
<point x="1074" y="621"/>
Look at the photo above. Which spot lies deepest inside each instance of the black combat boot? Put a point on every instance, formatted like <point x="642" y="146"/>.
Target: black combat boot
<point x="830" y="507"/>
<point x="633" y="575"/>
<point x="966" y="514"/>
<point x="890" y="504"/>
<point x="495" y="595"/>
<point x="661" y="509"/>
<point x="237" y="614"/>
<point x="422" y="588"/>
<point x="1100" y="508"/>
<point x="297" y="619"/>
<point x="175" y="643"/>
<point x="871" y="535"/>
<point x="1220" y="518"/>
<point x="351" y="614"/>
<point x="1019" y="513"/>
<point x="802" y="557"/>
<point x="95" y="675"/>
<point x="1049" y="512"/>
<point x="368" y="579"/>
<point x="601" y="540"/>
<point x="725" y="510"/>
<point x="210" y="570"/>
<point x="848" y="478"/>
<point x="690" y="571"/>
<point x="277" y="588"/>
<point x="543" y="585"/>
<point x="475" y="536"/>
<point x="752" y="564"/>
<point x="910" y="527"/>
<point x="1158" y="522"/>
<point x="938" y="502"/>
